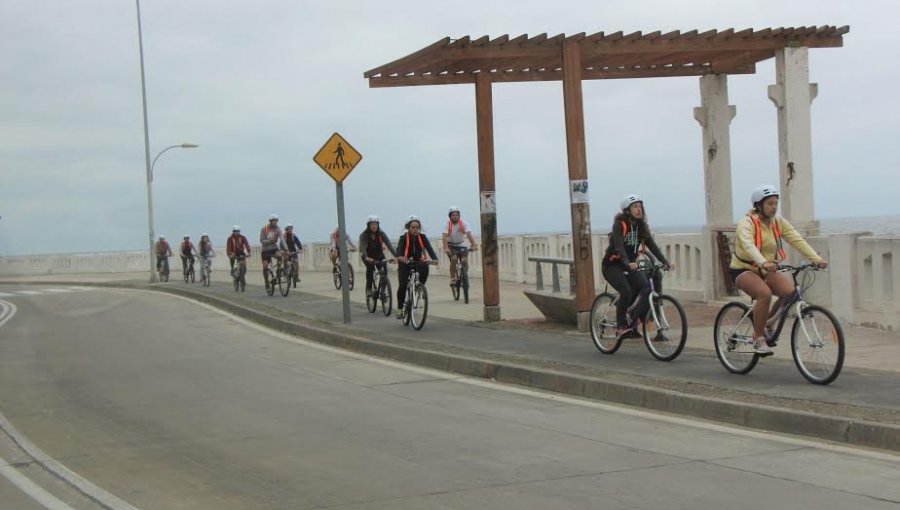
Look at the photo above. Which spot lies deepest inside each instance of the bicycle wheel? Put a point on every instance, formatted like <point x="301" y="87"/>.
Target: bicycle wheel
<point x="270" y="290"/>
<point x="454" y="290"/>
<point x="733" y="337"/>
<point x="349" y="277"/>
<point x="420" y="307"/>
<point x="192" y="274"/>
<point x="408" y="304"/>
<point x="186" y="275"/>
<point x="603" y="324"/>
<point x="284" y="283"/>
<point x="336" y="276"/>
<point x="387" y="297"/>
<point x="236" y="276"/>
<point x="243" y="278"/>
<point x="665" y="328"/>
<point x="464" y="281"/>
<point x="817" y="344"/>
<point x="372" y="295"/>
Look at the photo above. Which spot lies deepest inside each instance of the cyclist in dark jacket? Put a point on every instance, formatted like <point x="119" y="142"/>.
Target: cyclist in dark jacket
<point x="630" y="237"/>
<point x="413" y="246"/>
<point x="371" y="248"/>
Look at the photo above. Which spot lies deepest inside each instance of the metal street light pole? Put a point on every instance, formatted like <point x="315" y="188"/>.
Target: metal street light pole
<point x="148" y="165"/>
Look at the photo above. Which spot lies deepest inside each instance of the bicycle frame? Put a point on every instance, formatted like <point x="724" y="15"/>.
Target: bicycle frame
<point x="648" y="292"/>
<point x="794" y="300"/>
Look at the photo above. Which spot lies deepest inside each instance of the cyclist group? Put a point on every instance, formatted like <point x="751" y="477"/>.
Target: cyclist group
<point x="758" y="252"/>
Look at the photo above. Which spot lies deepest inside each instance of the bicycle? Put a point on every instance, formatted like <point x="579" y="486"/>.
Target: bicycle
<point x="189" y="271"/>
<point x="277" y="276"/>
<point x="815" y="332"/>
<point x="238" y="273"/>
<point x="293" y="270"/>
<point x="415" y="307"/>
<point x="206" y="271"/>
<point x="664" y="324"/>
<point x="462" y="274"/>
<point x="164" y="269"/>
<point x="336" y="274"/>
<point x="380" y="290"/>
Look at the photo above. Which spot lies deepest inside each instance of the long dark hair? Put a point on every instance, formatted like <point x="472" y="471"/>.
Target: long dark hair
<point x="625" y="215"/>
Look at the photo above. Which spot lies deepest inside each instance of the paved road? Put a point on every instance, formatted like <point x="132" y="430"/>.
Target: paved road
<point x="168" y="404"/>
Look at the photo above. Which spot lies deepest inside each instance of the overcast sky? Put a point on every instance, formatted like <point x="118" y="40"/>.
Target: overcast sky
<point x="261" y="85"/>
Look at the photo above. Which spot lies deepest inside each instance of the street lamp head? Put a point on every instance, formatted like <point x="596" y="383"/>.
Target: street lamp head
<point x="189" y="146"/>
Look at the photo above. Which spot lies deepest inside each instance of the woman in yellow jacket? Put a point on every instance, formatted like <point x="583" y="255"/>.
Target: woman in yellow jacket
<point x="758" y="251"/>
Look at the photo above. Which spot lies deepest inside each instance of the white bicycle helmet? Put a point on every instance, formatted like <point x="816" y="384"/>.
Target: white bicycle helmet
<point x="762" y="193"/>
<point x="236" y="228"/>
<point x="453" y="209"/>
<point x="204" y="235"/>
<point x="289" y="225"/>
<point x="273" y="216"/>
<point x="373" y="219"/>
<point x="187" y="236"/>
<point x="628" y="200"/>
<point x="162" y="237"/>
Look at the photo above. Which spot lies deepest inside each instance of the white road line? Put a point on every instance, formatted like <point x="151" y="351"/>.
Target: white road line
<point x="33" y="490"/>
<point x="7" y="312"/>
<point x="59" y="290"/>
<point x="29" y="292"/>
<point x="3" y="294"/>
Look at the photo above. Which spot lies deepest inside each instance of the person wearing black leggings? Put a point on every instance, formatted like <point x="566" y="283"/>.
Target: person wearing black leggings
<point x="630" y="237"/>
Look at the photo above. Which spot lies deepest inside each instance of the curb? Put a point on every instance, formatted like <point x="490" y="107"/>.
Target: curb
<point x="758" y="416"/>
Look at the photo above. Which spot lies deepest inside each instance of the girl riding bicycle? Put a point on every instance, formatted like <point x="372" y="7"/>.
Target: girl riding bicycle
<point x="757" y="252"/>
<point x="412" y="248"/>
<point x="630" y="236"/>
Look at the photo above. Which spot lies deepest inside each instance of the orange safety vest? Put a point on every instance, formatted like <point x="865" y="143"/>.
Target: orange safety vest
<point x="775" y="230"/>
<point x="458" y="224"/>
<point x="409" y="242"/>
<point x="615" y="256"/>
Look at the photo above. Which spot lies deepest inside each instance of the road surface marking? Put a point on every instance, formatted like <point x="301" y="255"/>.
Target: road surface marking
<point x="33" y="490"/>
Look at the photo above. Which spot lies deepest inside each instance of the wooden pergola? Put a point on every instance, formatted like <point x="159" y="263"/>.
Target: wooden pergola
<point x="571" y="59"/>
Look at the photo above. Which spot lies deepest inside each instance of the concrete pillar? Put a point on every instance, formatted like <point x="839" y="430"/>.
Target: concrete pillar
<point x="714" y="116"/>
<point x="793" y="96"/>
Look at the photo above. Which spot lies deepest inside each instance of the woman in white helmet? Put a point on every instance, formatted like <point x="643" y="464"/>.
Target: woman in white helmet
<point x="372" y="242"/>
<point x="758" y="250"/>
<point x="630" y="237"/>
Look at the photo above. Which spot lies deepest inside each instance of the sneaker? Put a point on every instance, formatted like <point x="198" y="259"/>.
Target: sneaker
<point x="369" y="293"/>
<point x="623" y="332"/>
<point x="659" y="337"/>
<point x="762" y="348"/>
<point x="399" y="314"/>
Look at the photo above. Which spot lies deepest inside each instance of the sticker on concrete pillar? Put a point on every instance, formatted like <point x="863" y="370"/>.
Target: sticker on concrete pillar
<point x="578" y="190"/>
<point x="488" y="202"/>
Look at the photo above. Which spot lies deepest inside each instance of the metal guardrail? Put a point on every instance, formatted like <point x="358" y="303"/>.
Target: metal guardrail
<point x="554" y="272"/>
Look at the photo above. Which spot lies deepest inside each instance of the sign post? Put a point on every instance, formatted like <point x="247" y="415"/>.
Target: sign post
<point x="338" y="158"/>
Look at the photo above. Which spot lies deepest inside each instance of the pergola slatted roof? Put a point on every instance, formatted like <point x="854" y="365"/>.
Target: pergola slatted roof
<point x="604" y="56"/>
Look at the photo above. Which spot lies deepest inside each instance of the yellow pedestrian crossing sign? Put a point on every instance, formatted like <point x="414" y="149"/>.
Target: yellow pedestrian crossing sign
<point x="337" y="157"/>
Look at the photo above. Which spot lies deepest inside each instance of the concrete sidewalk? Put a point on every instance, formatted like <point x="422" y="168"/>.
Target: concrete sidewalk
<point x="867" y="348"/>
<point x="862" y="406"/>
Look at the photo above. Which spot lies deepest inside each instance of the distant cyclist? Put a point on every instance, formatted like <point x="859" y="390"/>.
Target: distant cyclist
<point x="454" y="239"/>
<point x="372" y="242"/>
<point x="630" y="237"/>
<point x="163" y="252"/>
<point x="758" y="250"/>
<point x="335" y="247"/>
<point x="205" y="249"/>
<point x="187" y="251"/>
<point x="269" y="237"/>
<point x="413" y="246"/>
<point x="237" y="246"/>
<point x="290" y="247"/>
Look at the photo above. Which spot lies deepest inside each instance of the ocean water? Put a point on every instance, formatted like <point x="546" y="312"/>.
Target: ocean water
<point x="877" y="225"/>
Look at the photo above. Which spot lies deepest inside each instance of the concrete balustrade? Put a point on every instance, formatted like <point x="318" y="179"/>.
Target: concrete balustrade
<point x="860" y="286"/>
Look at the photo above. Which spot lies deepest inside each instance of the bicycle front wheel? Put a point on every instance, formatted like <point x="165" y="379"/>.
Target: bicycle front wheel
<point x="387" y="297"/>
<point x="665" y="328"/>
<point x="817" y="344"/>
<point x="733" y="336"/>
<point x="270" y="290"/>
<point x="419" y="310"/>
<point x="454" y="290"/>
<point x="336" y="276"/>
<point x="372" y="297"/>
<point x="603" y="324"/>
<point x="284" y="282"/>
<point x="349" y="277"/>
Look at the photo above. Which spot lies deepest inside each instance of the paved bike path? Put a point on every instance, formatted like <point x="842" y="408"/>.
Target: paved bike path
<point x="532" y="357"/>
